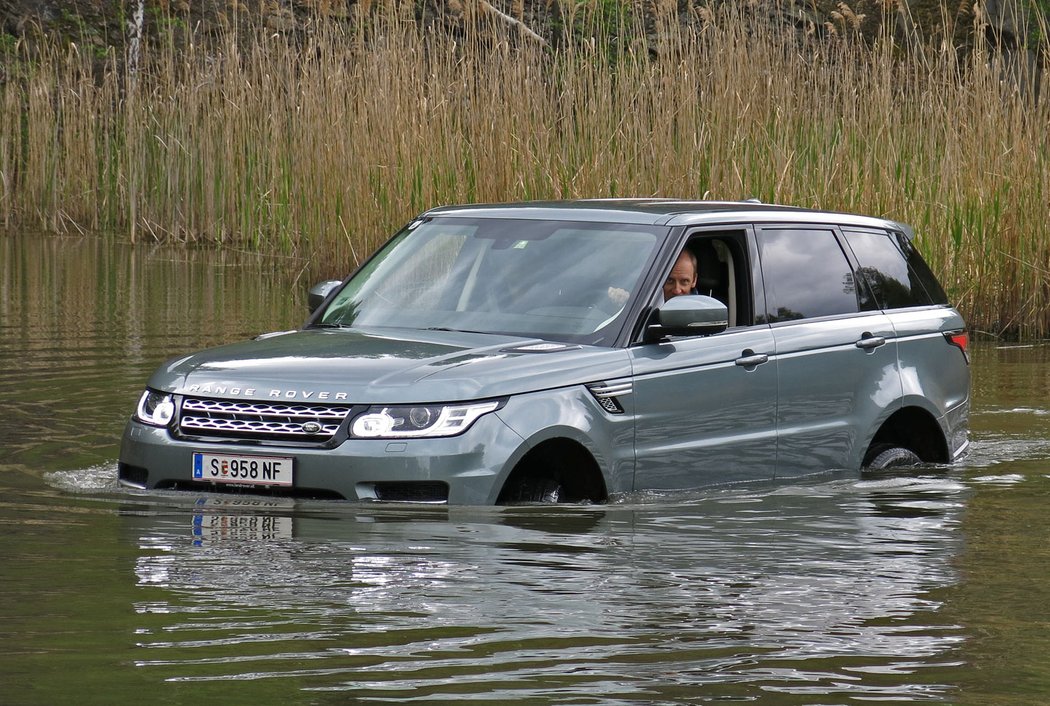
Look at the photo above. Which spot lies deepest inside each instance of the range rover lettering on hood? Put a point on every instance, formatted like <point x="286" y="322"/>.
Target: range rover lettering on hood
<point x="208" y="388"/>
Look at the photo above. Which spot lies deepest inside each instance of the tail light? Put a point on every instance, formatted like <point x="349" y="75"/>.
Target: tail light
<point x="961" y="340"/>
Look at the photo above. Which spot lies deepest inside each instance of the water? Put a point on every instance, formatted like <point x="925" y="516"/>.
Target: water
<point x="923" y="587"/>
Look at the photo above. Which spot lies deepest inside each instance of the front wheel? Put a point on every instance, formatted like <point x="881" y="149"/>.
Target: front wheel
<point x="535" y="490"/>
<point x="888" y="456"/>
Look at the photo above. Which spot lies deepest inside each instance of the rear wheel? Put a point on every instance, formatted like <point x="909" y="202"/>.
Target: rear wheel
<point x="889" y="456"/>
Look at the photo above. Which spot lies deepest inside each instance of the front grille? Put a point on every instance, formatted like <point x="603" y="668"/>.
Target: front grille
<point x="285" y="421"/>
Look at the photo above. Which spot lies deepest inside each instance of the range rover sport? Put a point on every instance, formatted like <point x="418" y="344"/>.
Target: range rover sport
<point x="526" y="352"/>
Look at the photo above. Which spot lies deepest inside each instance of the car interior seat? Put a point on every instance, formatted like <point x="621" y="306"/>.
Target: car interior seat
<point x="715" y="273"/>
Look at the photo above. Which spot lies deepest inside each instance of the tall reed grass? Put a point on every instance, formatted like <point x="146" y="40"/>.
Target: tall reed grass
<point x="321" y="146"/>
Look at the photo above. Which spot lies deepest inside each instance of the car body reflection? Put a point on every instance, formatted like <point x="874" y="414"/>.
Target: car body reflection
<point x="726" y="590"/>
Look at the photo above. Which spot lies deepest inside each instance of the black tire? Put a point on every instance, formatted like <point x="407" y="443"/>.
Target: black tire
<point x="883" y="457"/>
<point x="537" y="490"/>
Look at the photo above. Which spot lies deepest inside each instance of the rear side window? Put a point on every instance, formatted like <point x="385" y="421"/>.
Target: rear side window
<point x="806" y="274"/>
<point x="894" y="270"/>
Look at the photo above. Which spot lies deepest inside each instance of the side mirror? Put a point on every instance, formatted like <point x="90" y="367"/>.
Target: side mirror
<point x="319" y="292"/>
<point x="688" y="315"/>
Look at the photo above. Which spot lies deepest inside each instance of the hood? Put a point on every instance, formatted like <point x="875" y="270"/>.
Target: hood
<point x="386" y="367"/>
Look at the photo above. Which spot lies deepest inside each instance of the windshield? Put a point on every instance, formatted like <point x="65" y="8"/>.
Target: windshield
<point x="565" y="281"/>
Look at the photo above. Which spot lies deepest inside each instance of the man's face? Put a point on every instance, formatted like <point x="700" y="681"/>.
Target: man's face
<point x="682" y="278"/>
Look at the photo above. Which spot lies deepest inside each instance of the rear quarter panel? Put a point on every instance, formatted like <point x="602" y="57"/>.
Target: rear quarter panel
<point x="931" y="368"/>
<point x="934" y="374"/>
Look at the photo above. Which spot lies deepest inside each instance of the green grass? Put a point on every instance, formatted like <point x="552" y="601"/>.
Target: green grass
<point x="322" y="146"/>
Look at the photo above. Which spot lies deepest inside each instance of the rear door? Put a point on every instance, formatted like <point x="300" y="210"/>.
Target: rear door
<point x="836" y="352"/>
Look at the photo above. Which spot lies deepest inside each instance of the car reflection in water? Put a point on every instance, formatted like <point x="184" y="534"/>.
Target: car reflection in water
<point x="825" y="588"/>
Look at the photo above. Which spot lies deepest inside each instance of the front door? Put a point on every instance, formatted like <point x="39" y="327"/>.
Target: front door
<point x="706" y="409"/>
<point x="706" y="406"/>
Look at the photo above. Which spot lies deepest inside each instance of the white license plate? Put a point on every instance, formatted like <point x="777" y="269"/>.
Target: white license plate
<point x="245" y="470"/>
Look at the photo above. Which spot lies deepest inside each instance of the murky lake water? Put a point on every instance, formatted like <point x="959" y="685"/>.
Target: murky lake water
<point x="926" y="587"/>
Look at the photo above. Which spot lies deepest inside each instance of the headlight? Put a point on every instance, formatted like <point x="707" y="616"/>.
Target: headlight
<point x="155" y="408"/>
<point x="418" y="420"/>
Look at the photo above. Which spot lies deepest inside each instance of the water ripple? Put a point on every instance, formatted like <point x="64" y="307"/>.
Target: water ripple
<point x="638" y="601"/>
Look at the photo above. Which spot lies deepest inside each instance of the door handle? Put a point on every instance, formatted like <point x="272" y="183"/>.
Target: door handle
<point x="749" y="359"/>
<point x="869" y="342"/>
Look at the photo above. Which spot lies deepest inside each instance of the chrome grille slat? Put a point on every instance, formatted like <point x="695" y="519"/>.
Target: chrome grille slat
<point x="235" y="419"/>
<point x="252" y="427"/>
<point x="273" y="409"/>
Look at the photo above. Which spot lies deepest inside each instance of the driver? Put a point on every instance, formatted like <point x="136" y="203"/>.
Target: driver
<point x="682" y="279"/>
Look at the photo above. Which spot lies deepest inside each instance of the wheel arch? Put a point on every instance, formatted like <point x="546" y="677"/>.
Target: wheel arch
<point x="564" y="460"/>
<point x="913" y="428"/>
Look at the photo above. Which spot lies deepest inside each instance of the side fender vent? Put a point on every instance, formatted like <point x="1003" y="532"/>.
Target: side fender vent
<point x="607" y="394"/>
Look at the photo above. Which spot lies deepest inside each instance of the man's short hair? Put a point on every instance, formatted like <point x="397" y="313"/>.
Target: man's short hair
<point x="692" y="259"/>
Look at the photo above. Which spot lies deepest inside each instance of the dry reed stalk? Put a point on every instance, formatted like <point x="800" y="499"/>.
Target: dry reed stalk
<point x="321" y="148"/>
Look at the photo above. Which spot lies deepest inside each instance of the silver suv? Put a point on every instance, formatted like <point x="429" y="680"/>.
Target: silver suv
<point x="532" y="353"/>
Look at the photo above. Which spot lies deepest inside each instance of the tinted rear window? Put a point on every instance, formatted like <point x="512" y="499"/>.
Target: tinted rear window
<point x="806" y="274"/>
<point x="894" y="270"/>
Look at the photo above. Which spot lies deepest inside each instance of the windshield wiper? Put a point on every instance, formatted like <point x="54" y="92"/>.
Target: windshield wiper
<point x="326" y="324"/>
<point x="458" y="330"/>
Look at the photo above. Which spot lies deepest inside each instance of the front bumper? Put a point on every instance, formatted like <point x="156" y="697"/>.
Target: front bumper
<point x="468" y="469"/>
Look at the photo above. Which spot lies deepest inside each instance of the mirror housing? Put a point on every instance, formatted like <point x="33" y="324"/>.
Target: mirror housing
<point x="319" y="292"/>
<point x="688" y="315"/>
